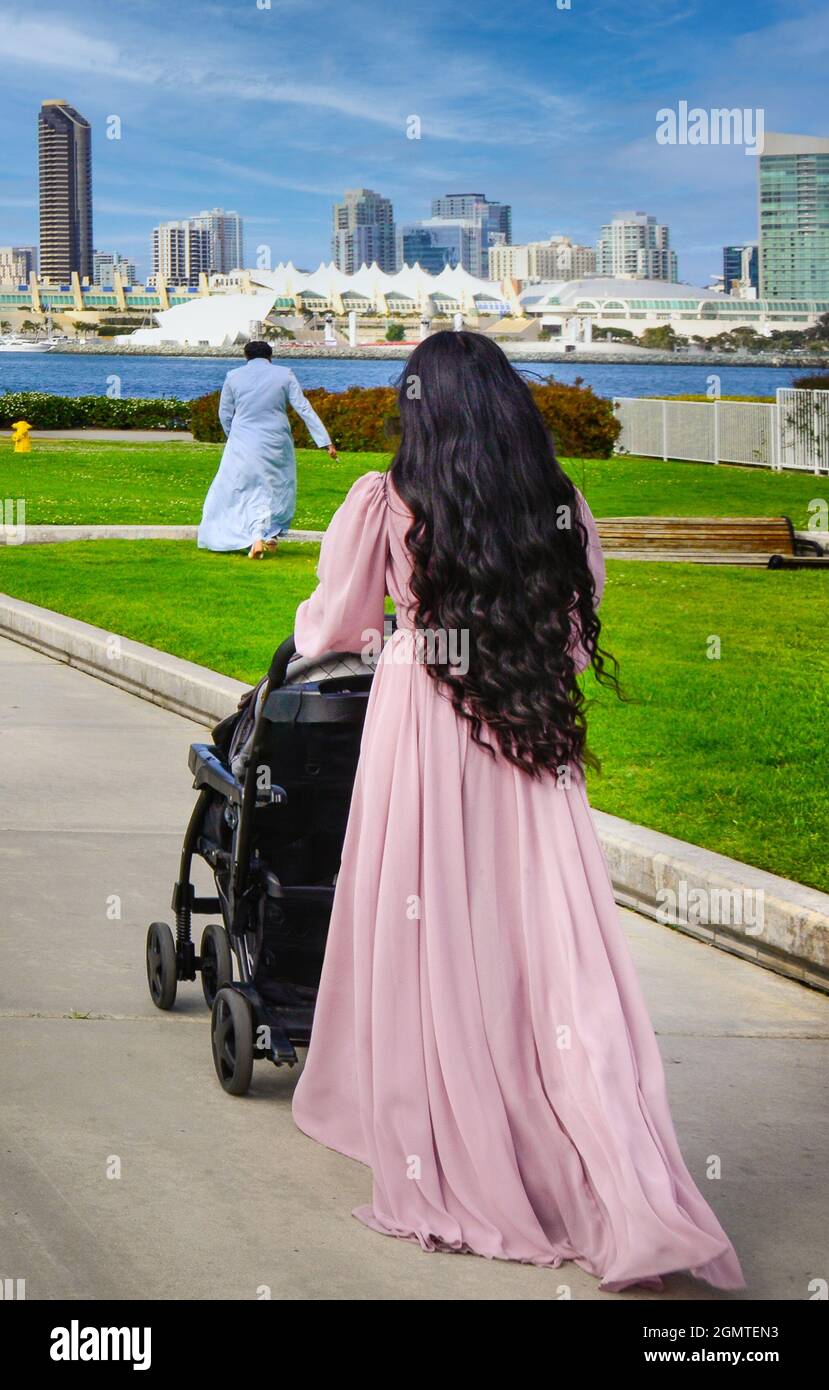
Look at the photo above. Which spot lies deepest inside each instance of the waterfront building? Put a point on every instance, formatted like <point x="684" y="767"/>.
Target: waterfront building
<point x="635" y="246"/>
<point x="65" y="179"/>
<point x="363" y="231"/>
<point x="793" y="178"/>
<point x="412" y="296"/>
<point x="635" y="305"/>
<point x="740" y="269"/>
<point x="556" y="259"/>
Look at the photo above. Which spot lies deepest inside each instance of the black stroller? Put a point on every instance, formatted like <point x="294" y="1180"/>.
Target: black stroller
<point x="274" y="793"/>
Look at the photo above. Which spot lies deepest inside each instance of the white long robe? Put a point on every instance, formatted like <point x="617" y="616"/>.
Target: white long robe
<point x="253" y="495"/>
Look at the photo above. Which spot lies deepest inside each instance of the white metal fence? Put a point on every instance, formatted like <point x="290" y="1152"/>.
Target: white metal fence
<point x="793" y="433"/>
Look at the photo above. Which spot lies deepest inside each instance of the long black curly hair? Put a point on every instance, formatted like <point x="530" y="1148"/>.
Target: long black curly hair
<point x="498" y="551"/>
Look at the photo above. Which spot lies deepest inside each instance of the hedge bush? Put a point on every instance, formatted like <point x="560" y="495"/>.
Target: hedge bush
<point x="48" y="412"/>
<point x="360" y="419"/>
<point x="812" y="383"/>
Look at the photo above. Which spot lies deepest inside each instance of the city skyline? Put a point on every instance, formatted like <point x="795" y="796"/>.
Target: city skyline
<point x="228" y="111"/>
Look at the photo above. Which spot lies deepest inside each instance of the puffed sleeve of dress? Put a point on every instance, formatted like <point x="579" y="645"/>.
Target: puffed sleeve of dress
<point x="348" y="605"/>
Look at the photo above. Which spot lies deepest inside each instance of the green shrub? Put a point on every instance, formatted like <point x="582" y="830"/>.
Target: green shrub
<point x="204" y="419"/>
<point x="582" y="424"/>
<point x="48" y="412"/>
<point x="364" y="419"/>
<point x="395" y="333"/>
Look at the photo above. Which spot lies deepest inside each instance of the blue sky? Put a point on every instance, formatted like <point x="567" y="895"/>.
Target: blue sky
<point x="273" y="111"/>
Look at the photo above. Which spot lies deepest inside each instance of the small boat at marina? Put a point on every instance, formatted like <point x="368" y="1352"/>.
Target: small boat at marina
<point x="15" y="342"/>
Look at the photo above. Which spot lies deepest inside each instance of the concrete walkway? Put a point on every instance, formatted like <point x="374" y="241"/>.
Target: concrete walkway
<point x="98" y="436"/>
<point x="218" y="1197"/>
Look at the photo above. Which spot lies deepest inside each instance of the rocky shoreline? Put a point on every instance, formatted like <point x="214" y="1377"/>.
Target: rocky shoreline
<point x="517" y="352"/>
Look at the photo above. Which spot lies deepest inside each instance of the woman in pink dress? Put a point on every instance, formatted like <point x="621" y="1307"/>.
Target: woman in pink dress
<point x="480" y="1038"/>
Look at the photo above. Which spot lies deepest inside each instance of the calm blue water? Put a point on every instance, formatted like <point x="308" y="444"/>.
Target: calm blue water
<point x="69" y="374"/>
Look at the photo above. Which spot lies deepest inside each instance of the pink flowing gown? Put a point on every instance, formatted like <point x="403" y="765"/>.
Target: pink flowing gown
<point x="480" y="1039"/>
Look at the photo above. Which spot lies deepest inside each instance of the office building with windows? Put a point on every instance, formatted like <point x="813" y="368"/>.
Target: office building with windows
<point x="740" y="269"/>
<point x="794" y="217"/>
<point x="556" y="259"/>
<point x="492" y="221"/>
<point x="437" y="242"/>
<point x="106" y="263"/>
<point x="17" y="264"/>
<point x="64" y="141"/>
<point x="363" y="231"/>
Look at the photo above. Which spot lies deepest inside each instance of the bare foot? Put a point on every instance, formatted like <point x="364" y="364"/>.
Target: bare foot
<point x="257" y="550"/>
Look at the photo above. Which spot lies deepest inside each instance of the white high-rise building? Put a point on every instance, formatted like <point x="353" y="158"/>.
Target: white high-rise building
<point x="227" y="251"/>
<point x="181" y="252"/>
<point x="556" y="259"/>
<point x="634" y="246"/>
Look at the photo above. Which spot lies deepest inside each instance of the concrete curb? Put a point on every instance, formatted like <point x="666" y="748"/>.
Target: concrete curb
<point x="58" y="535"/>
<point x="182" y="686"/>
<point x="709" y="896"/>
<point x="677" y="883"/>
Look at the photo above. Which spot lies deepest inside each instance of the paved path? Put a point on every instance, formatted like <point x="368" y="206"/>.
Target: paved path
<point x="218" y="1197"/>
<point x="119" y="436"/>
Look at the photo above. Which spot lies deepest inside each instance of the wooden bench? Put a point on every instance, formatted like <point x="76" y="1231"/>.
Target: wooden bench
<point x="712" y="540"/>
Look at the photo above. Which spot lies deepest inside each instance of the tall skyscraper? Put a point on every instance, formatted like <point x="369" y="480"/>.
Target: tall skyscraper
<point x="227" y="251"/>
<point x="740" y="267"/>
<point x="634" y="246"/>
<point x="65" y="159"/>
<point x="363" y="231"/>
<point x="794" y="217"/>
<point x="493" y="221"/>
<point x="181" y="252"/>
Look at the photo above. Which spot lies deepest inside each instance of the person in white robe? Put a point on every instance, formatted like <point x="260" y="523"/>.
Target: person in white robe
<point x="252" y="498"/>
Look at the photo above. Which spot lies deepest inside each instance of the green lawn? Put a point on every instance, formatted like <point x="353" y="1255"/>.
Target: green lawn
<point x="726" y="753"/>
<point x="72" y="482"/>
<point x="94" y="483"/>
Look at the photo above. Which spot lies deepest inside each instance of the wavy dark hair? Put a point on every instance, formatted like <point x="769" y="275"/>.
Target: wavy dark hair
<point x="477" y="469"/>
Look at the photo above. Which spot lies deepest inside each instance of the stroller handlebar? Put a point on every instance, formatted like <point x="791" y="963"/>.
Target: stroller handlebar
<point x="279" y="664"/>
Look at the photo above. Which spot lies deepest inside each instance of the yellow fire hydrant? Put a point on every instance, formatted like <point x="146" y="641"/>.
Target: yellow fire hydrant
<point x="20" y="437"/>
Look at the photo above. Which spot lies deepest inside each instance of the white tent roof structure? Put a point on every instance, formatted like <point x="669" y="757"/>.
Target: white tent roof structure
<point x="216" y="319"/>
<point x="219" y="319"/>
<point x="411" y="282"/>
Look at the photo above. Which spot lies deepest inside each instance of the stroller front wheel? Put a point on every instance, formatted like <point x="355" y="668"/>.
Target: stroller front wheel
<point x="231" y="1035"/>
<point x="161" y="965"/>
<point x="216" y="962"/>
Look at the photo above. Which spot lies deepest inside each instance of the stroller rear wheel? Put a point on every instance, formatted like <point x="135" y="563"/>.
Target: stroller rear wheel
<point x="216" y="962"/>
<point x="231" y="1035"/>
<point x="161" y="965"/>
